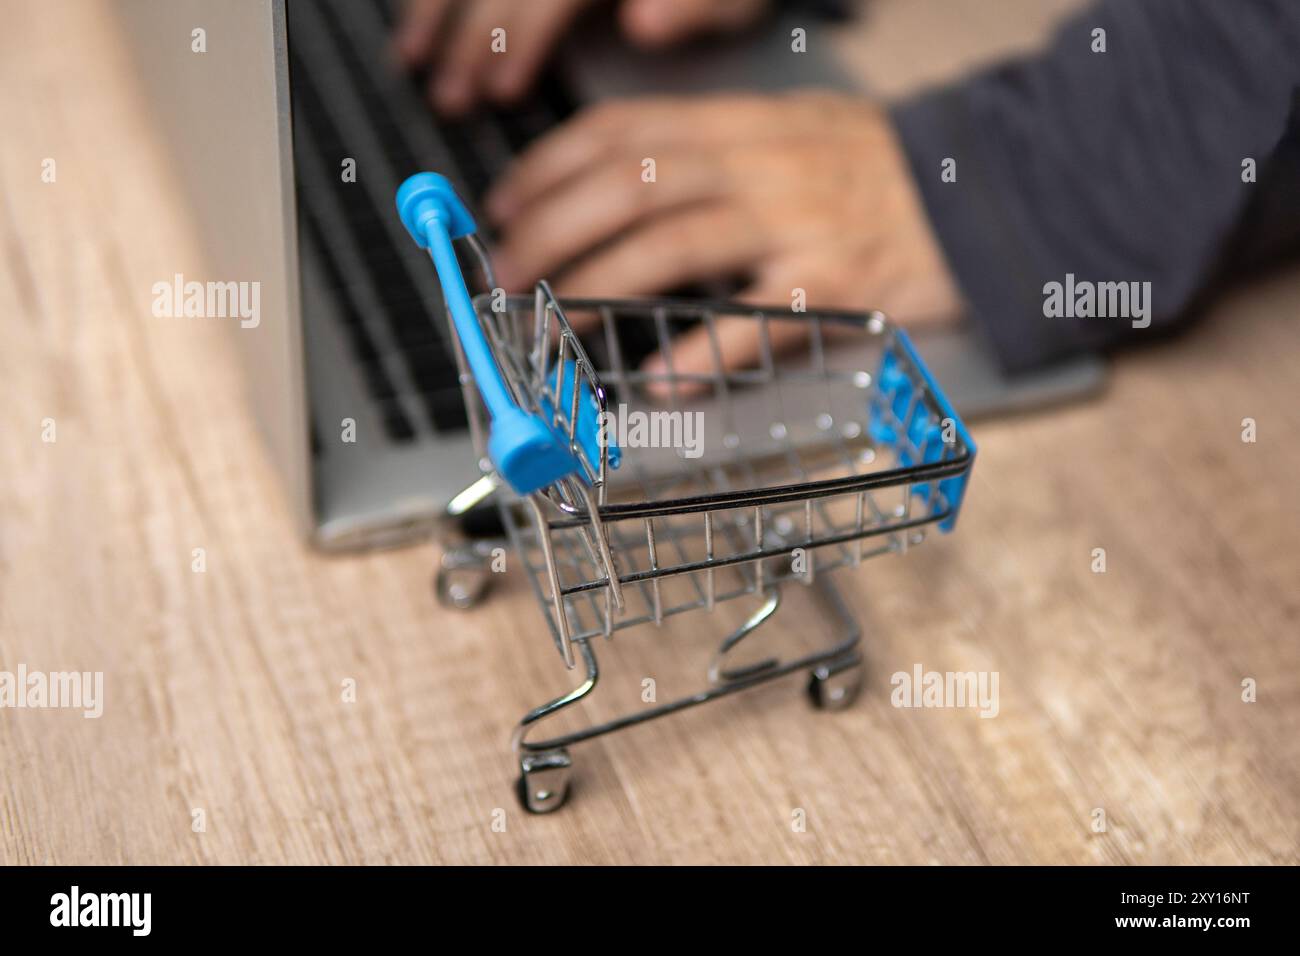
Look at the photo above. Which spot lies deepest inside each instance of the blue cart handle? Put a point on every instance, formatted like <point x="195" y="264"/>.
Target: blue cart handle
<point x="524" y="447"/>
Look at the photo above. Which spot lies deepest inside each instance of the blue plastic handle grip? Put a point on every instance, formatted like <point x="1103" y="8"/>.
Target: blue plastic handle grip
<point x="525" y="449"/>
<point x="894" y="390"/>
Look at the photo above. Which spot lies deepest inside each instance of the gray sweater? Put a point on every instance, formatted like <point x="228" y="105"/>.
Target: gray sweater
<point x="1120" y="166"/>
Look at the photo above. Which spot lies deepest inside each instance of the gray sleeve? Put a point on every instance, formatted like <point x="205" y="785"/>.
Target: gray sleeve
<point x="1124" y="165"/>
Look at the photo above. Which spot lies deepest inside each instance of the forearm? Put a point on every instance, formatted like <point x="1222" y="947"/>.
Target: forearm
<point x="1116" y="166"/>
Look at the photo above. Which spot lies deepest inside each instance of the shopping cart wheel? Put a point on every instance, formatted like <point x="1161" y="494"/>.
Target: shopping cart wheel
<point x="543" y="783"/>
<point x="464" y="574"/>
<point x="835" y="685"/>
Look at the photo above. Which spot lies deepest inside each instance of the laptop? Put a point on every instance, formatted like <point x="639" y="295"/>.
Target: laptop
<point x="352" y="339"/>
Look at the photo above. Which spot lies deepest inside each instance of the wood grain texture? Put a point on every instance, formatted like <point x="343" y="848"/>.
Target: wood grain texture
<point x="1119" y="691"/>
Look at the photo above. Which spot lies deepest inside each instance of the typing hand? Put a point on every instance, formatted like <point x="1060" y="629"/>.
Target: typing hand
<point x="807" y="191"/>
<point x="455" y="38"/>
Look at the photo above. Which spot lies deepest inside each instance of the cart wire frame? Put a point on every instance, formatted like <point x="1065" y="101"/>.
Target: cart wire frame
<point x="618" y="542"/>
<point x="575" y="550"/>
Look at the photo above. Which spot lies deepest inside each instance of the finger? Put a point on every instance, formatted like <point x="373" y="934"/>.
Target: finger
<point x="568" y="149"/>
<point x="571" y="221"/>
<point x="691" y="245"/>
<point x="530" y="38"/>
<point x="646" y="125"/>
<point x="417" y="33"/>
<point x="465" y="52"/>
<point x="655" y="23"/>
<point x="686" y="245"/>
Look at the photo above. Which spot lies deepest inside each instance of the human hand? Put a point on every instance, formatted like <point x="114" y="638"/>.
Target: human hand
<point x="806" y="191"/>
<point x="455" y="38"/>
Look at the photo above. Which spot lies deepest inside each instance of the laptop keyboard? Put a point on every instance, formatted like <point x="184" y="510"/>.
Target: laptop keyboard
<point x="348" y="102"/>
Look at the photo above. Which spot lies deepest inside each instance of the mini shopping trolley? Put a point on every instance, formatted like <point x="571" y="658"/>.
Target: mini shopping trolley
<point x="802" y="464"/>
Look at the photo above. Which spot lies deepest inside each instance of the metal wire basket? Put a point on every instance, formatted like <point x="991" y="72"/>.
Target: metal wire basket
<point x="808" y="461"/>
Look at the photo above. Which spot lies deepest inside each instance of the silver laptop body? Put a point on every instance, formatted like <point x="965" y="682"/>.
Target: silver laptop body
<point x="349" y="368"/>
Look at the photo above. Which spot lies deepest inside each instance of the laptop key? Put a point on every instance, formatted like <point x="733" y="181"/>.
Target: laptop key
<point x="476" y="150"/>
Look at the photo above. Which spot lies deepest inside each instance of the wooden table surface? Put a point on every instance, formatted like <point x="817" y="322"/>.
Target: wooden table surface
<point x="1119" y="691"/>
